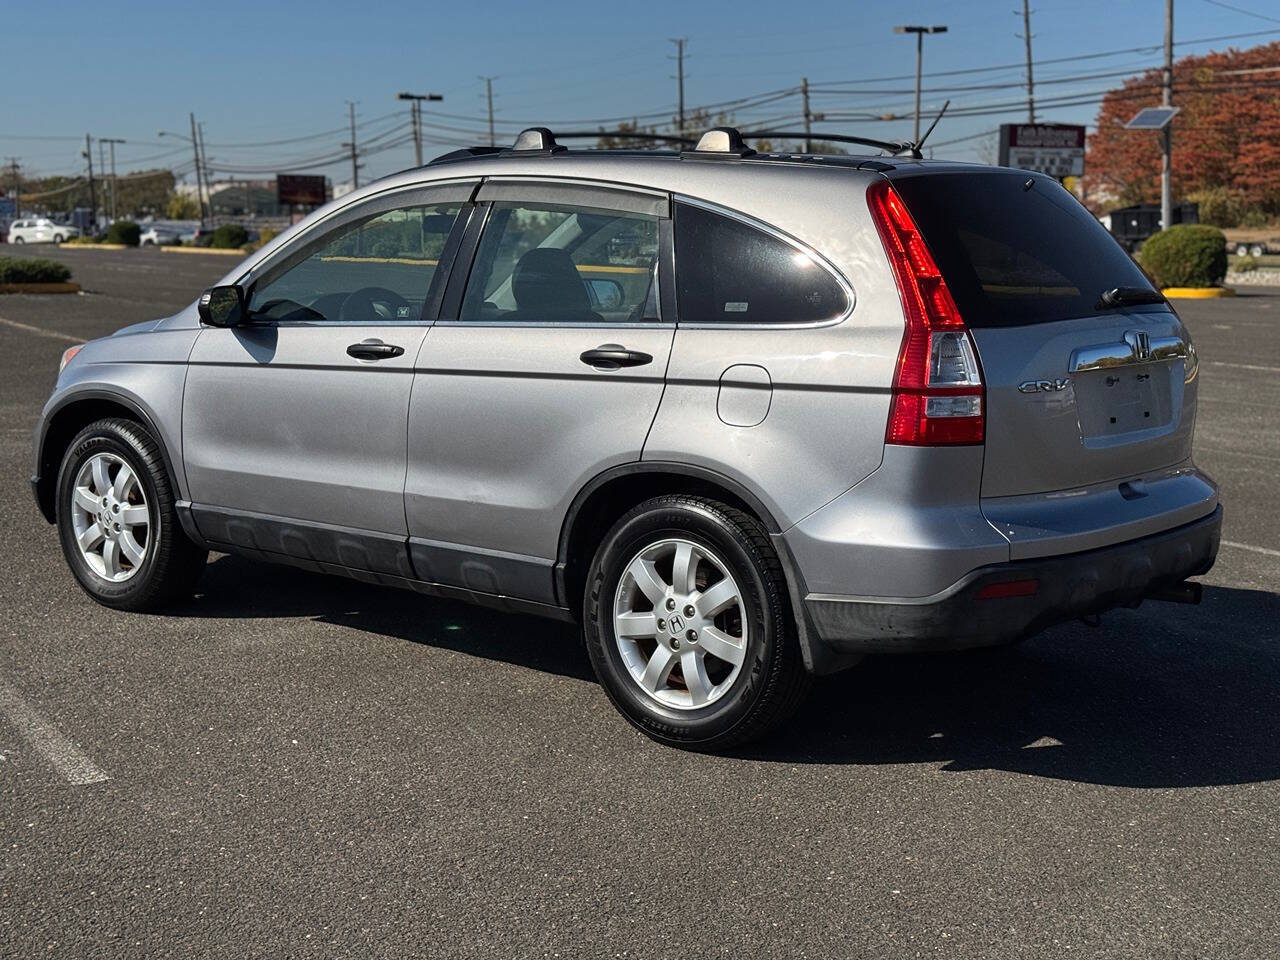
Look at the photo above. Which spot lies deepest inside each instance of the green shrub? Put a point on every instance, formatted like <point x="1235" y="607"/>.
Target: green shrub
<point x="1245" y="264"/>
<point x="124" y="231"/>
<point x="229" y="236"/>
<point x="1254" y="218"/>
<point x="22" y="270"/>
<point x="266" y="236"/>
<point x="1187" y="255"/>
<point x="1220" y="206"/>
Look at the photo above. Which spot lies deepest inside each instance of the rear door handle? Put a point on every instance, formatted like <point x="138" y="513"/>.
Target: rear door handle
<point x="374" y="350"/>
<point x="611" y="356"/>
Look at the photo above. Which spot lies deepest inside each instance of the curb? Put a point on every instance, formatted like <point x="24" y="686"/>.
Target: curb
<point x="214" y="250"/>
<point x="93" y="246"/>
<point x="1197" y="293"/>
<point x="39" y="288"/>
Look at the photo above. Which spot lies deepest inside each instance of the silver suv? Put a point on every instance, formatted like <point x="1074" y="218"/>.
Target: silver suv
<point x="745" y="417"/>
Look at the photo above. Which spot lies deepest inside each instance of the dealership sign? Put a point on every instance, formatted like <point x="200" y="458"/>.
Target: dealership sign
<point x="299" y="189"/>
<point x="1056" y="149"/>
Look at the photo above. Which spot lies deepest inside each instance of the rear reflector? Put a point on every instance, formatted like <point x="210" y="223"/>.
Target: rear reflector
<point x="1009" y="588"/>
<point x="937" y="387"/>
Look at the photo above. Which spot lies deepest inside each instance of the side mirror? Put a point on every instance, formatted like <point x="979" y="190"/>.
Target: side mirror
<point x="222" y="306"/>
<point x="605" y="294"/>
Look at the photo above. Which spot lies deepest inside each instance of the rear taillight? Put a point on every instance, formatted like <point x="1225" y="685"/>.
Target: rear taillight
<point x="937" y="387"/>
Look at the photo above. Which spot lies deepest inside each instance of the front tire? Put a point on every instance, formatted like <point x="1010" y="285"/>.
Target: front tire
<point x="18" y="240"/>
<point x="117" y="522"/>
<point x="689" y="627"/>
<point x="57" y="238"/>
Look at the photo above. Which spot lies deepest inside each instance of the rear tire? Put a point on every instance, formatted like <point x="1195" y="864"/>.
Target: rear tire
<point x="57" y="238"/>
<point x="716" y="609"/>
<point x="18" y="240"/>
<point x="117" y="522"/>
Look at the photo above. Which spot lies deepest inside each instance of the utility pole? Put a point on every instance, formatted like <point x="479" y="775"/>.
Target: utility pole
<point x="1166" y="163"/>
<point x="1031" y="85"/>
<point x="102" y="169"/>
<point x="112" y="141"/>
<point x="195" y="146"/>
<point x="680" y="42"/>
<point x="355" y="163"/>
<point x="93" y="198"/>
<point x="17" y="187"/>
<point x="415" y="116"/>
<point x="919" y="32"/>
<point x="808" y="117"/>
<point x="204" y="160"/>
<point x="488" y="92"/>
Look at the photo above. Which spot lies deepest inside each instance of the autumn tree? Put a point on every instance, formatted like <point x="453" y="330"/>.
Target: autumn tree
<point x="1226" y="135"/>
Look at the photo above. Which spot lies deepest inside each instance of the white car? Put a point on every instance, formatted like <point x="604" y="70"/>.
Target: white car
<point x="158" y="235"/>
<point x="40" y="230"/>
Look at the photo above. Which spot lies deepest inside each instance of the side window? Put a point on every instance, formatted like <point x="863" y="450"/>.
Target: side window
<point x="543" y="263"/>
<point x="730" y="272"/>
<point x="373" y="270"/>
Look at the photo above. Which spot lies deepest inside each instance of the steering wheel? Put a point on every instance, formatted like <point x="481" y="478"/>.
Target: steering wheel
<point x="373" y="303"/>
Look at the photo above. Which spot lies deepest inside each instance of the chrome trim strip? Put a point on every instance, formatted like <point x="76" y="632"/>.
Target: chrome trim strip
<point x="1106" y="355"/>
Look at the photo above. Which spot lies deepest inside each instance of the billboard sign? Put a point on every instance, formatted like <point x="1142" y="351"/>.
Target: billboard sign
<point x="1055" y="149"/>
<point x="8" y="209"/>
<point x="300" y="190"/>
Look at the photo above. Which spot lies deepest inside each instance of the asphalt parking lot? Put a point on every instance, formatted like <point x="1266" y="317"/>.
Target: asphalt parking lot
<point x="297" y="765"/>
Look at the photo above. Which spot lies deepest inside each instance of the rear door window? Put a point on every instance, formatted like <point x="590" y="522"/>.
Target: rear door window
<point x="1015" y="254"/>
<point x="728" y="271"/>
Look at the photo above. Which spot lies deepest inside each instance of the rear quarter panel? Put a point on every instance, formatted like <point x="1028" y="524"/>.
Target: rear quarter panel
<point x="824" y="427"/>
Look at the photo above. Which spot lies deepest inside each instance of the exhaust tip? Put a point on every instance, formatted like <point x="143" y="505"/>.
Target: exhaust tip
<point x="1184" y="592"/>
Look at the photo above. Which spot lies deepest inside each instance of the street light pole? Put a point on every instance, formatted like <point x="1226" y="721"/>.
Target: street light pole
<point x="919" y="31"/>
<point x="415" y="114"/>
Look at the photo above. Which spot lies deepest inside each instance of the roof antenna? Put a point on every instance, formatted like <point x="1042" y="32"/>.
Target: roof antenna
<point x="920" y="143"/>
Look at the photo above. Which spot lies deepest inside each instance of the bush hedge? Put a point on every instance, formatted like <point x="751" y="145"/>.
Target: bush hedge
<point x="1187" y="255"/>
<point x="22" y="270"/>
<point x="229" y="236"/>
<point x="124" y="231"/>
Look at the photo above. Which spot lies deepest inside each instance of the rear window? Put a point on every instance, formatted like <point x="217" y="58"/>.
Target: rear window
<point x="729" y="272"/>
<point x="1013" y="254"/>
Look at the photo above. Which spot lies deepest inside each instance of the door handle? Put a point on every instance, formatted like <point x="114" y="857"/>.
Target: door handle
<point x="374" y="350"/>
<point x="611" y="356"/>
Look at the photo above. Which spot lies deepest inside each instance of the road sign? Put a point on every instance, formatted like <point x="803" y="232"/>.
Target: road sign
<point x="300" y="189"/>
<point x="8" y="208"/>
<point x="1152" y="118"/>
<point x="1056" y="149"/>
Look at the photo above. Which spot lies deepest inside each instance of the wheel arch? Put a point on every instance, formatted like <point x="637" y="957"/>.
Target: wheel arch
<point x="611" y="493"/>
<point x="71" y="415"/>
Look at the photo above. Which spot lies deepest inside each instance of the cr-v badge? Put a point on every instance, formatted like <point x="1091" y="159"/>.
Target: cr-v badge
<point x="1044" y="386"/>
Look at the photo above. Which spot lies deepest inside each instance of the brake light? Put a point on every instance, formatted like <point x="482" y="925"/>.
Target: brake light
<point x="937" y="387"/>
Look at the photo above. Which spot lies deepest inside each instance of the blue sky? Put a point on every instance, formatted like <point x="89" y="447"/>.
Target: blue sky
<point x="258" y="72"/>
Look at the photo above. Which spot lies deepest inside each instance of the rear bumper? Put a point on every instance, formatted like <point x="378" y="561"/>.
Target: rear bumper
<point x="1068" y="586"/>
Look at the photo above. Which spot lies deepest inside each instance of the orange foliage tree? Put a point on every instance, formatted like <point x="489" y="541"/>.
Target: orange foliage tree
<point x="1226" y="135"/>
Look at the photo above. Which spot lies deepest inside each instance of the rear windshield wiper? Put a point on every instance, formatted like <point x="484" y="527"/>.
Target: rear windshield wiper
<point x="1128" y="297"/>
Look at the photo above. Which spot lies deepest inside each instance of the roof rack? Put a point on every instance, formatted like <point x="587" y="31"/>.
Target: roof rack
<point x="896" y="148"/>
<point x="540" y="140"/>
<point x="717" y="143"/>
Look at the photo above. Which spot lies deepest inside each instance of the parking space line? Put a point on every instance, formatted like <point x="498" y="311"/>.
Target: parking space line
<point x="1265" y="551"/>
<point x="42" y="332"/>
<point x="1242" y="366"/>
<point x="68" y="759"/>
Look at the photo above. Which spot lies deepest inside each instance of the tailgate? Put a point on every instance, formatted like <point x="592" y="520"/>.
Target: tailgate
<point x="1081" y="388"/>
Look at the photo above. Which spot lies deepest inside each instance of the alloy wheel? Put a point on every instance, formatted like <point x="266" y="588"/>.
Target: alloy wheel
<point x="110" y="517"/>
<point x="680" y="624"/>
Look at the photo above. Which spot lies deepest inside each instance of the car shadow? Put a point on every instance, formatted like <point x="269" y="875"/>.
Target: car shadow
<point x="236" y="588"/>
<point x="1162" y="696"/>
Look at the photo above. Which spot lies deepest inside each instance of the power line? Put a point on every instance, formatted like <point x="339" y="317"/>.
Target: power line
<point x="1247" y="13"/>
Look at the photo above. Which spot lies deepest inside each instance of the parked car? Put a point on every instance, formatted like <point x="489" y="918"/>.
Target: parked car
<point x="157" y="235"/>
<point x="40" y="230"/>
<point x="823" y="407"/>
